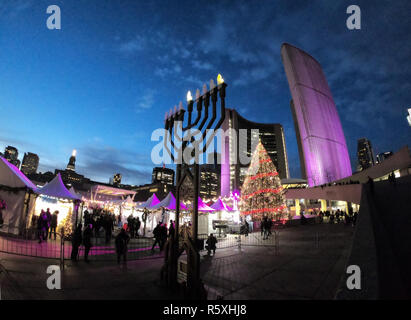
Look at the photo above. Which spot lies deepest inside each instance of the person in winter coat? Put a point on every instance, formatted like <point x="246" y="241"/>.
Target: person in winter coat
<point x="76" y="242"/>
<point x="53" y="224"/>
<point x="157" y="236"/>
<point x="211" y="244"/>
<point x="87" y="234"/>
<point x="122" y="240"/>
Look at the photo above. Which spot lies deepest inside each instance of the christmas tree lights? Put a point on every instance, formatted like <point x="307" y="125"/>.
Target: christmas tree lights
<point x="262" y="193"/>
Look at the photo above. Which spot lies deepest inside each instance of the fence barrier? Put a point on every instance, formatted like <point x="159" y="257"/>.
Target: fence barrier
<point x="27" y="243"/>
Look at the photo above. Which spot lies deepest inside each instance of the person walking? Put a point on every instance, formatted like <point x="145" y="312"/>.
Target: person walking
<point x="138" y="225"/>
<point x="40" y="226"/>
<point x="108" y="227"/>
<point x="122" y="240"/>
<point x="48" y="222"/>
<point x="130" y="224"/>
<point x="247" y="228"/>
<point x="53" y="224"/>
<point x="157" y="236"/>
<point x="87" y="234"/>
<point x="171" y="229"/>
<point x="76" y="242"/>
<point x="163" y="236"/>
<point x="211" y="244"/>
<point x="262" y="226"/>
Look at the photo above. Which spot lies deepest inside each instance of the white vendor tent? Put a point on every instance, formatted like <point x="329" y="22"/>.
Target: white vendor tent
<point x="169" y="203"/>
<point x="55" y="196"/>
<point x="16" y="191"/>
<point x="56" y="188"/>
<point x="150" y="202"/>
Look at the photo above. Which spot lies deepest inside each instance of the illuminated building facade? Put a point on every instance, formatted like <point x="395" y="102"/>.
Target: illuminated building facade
<point x="30" y="163"/>
<point x="323" y="149"/>
<point x="272" y="137"/>
<point x="365" y="154"/>
<point x="210" y="174"/>
<point x="163" y="175"/>
<point x="162" y="182"/>
<point x="116" y="179"/>
<point x="11" y="155"/>
<point x="72" y="162"/>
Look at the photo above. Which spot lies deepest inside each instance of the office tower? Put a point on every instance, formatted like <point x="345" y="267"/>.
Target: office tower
<point x="365" y="154"/>
<point x="11" y="155"/>
<point x="233" y="170"/>
<point x="116" y="180"/>
<point x="210" y="174"/>
<point x="72" y="162"/>
<point x="319" y="132"/>
<point x="163" y="175"/>
<point x="30" y="163"/>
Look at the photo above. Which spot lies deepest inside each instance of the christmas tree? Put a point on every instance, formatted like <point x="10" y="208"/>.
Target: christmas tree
<point x="262" y="193"/>
<point x="68" y="223"/>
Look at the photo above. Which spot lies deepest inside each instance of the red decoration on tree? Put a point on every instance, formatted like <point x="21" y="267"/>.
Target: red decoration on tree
<point x="262" y="193"/>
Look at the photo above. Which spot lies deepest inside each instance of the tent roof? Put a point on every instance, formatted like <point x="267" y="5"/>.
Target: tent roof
<point x="111" y="191"/>
<point x="220" y="205"/>
<point x="56" y="188"/>
<point x="152" y="201"/>
<point x="202" y="206"/>
<point x="11" y="176"/>
<point x="73" y="191"/>
<point x="169" y="202"/>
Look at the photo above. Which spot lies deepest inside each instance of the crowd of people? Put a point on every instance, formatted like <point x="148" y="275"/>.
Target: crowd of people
<point x="46" y="224"/>
<point x="161" y="233"/>
<point x="100" y="219"/>
<point x="266" y="225"/>
<point x="338" y="216"/>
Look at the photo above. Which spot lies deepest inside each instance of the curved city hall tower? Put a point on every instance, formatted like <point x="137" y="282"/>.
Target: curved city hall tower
<point x="321" y="142"/>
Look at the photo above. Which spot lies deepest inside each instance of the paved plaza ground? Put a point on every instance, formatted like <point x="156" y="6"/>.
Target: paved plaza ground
<point x="308" y="265"/>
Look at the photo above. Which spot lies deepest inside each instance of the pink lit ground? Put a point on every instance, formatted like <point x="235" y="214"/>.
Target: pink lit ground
<point x="300" y="271"/>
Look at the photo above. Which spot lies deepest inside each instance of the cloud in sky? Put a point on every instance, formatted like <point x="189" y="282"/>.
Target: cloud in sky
<point x="146" y="102"/>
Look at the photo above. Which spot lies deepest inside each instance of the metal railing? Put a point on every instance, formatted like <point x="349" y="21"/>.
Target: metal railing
<point x="26" y="243"/>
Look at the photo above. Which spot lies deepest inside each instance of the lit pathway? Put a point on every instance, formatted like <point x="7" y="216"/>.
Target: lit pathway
<point x="300" y="271"/>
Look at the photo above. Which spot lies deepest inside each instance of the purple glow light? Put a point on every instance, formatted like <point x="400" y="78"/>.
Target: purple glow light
<point x="321" y="135"/>
<point x="220" y="205"/>
<point x="19" y="174"/>
<point x="56" y="188"/>
<point x="169" y="203"/>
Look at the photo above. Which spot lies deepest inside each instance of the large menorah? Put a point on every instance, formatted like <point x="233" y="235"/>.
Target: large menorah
<point x="182" y="134"/>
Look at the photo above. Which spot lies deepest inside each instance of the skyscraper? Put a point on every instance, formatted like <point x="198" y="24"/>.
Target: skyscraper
<point x="30" y="163"/>
<point x="72" y="162"/>
<point x="116" y="179"/>
<point x="163" y="175"/>
<point x="321" y="138"/>
<point x="365" y="154"/>
<point x="272" y="137"/>
<point x="210" y="177"/>
<point x="11" y="155"/>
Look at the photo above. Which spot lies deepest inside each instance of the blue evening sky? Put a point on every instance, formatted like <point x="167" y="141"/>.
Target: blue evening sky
<point x="103" y="82"/>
